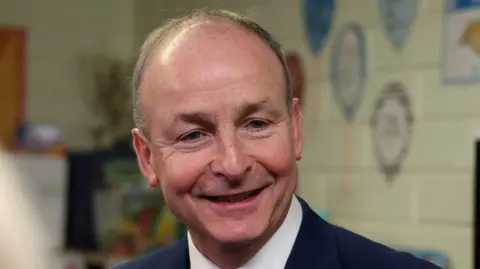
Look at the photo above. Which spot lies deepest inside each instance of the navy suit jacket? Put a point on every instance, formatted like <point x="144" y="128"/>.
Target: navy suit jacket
<point x="319" y="245"/>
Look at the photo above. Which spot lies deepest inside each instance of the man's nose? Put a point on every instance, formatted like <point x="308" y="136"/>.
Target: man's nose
<point x="231" y="160"/>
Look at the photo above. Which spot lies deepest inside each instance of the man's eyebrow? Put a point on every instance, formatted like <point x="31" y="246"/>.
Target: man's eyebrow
<point x="195" y="117"/>
<point x="208" y="120"/>
<point x="249" y="108"/>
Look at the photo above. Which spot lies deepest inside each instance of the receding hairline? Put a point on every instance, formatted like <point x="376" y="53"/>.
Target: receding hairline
<point x="173" y="27"/>
<point x="167" y="45"/>
<point x="161" y="36"/>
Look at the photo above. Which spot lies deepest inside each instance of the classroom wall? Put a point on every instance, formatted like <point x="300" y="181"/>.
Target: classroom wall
<point x="429" y="204"/>
<point x="61" y="36"/>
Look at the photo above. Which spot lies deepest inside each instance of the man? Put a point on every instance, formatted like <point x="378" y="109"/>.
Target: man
<point x="220" y="133"/>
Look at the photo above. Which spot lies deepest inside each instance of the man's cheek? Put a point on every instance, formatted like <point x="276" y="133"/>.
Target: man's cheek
<point x="181" y="182"/>
<point x="278" y="159"/>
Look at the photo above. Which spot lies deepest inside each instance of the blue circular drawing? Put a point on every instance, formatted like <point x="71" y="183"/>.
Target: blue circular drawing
<point x="348" y="68"/>
<point x="318" y="16"/>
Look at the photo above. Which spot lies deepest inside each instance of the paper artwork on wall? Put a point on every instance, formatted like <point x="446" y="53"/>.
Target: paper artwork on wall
<point x="318" y="17"/>
<point x="462" y="42"/>
<point x="397" y="17"/>
<point x="392" y="124"/>
<point x="348" y="69"/>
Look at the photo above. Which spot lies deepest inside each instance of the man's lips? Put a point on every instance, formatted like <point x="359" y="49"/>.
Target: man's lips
<point x="236" y="197"/>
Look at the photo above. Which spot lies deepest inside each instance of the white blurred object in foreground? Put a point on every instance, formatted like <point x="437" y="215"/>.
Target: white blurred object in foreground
<point x="23" y="238"/>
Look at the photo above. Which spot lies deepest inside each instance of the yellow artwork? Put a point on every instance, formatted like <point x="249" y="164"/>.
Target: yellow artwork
<point x="12" y="77"/>
<point x="471" y="36"/>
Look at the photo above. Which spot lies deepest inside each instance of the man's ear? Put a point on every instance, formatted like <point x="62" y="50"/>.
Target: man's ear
<point x="144" y="157"/>
<point x="297" y="128"/>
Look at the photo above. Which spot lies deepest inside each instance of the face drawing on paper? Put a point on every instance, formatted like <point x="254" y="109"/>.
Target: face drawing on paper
<point x="392" y="131"/>
<point x="349" y="68"/>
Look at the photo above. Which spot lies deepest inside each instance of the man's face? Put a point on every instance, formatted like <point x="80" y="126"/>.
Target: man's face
<point x="221" y="142"/>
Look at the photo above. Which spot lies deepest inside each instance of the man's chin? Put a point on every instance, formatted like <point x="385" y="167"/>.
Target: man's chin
<point x="239" y="235"/>
<point x="236" y="240"/>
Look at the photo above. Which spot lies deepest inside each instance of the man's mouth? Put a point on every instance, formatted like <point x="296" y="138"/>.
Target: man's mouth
<point x="234" y="198"/>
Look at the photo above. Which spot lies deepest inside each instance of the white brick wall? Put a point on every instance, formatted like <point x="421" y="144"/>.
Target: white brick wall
<point x="60" y="33"/>
<point x="430" y="203"/>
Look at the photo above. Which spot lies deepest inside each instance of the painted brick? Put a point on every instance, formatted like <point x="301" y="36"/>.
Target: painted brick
<point x="448" y="101"/>
<point x="446" y="198"/>
<point x="337" y="146"/>
<point x="313" y="186"/>
<point x="369" y="196"/>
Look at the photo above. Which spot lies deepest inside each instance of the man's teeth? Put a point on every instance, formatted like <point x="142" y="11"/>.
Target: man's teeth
<point x="234" y="198"/>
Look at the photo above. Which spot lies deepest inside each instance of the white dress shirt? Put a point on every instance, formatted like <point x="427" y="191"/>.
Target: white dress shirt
<point x="273" y="255"/>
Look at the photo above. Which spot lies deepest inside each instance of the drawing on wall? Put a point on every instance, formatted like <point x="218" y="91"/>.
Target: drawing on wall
<point x="12" y="81"/>
<point x="348" y="68"/>
<point x="462" y="42"/>
<point x="318" y="17"/>
<point x="397" y="17"/>
<point x="295" y="67"/>
<point x="392" y="124"/>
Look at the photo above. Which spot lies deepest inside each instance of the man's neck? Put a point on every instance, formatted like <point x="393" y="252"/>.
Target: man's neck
<point x="234" y="256"/>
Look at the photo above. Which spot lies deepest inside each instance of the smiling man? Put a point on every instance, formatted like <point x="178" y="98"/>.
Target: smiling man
<point x="219" y="131"/>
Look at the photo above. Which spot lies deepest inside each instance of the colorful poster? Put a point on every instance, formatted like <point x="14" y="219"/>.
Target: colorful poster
<point x="132" y="217"/>
<point x="12" y="82"/>
<point x="462" y="42"/>
<point x="397" y="17"/>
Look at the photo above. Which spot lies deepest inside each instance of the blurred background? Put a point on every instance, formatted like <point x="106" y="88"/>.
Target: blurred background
<point x="389" y="91"/>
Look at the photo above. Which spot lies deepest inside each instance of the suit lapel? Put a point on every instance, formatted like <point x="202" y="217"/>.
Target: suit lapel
<point x="315" y="246"/>
<point x="178" y="257"/>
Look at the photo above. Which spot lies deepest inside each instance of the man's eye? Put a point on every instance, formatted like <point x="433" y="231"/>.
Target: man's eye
<point x="257" y="125"/>
<point x="191" y="137"/>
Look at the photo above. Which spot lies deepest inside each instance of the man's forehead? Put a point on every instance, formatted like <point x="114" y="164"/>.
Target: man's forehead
<point x="218" y="33"/>
<point x="209" y="56"/>
<point x="206" y="48"/>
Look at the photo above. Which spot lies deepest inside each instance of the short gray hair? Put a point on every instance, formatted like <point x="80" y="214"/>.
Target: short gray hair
<point x="174" y="25"/>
